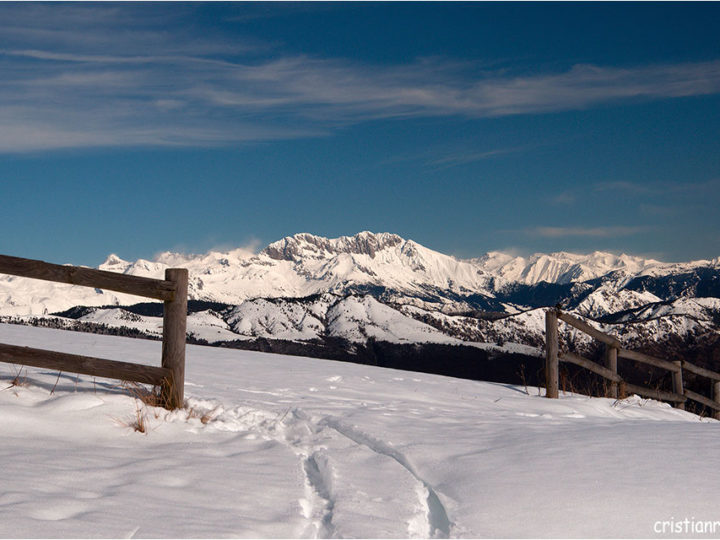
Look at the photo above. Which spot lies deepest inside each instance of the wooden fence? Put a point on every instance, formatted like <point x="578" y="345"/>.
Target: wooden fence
<point x="614" y="350"/>
<point x="170" y="377"/>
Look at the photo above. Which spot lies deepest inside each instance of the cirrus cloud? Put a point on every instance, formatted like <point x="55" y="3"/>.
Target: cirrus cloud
<point x="81" y="77"/>
<point x="590" y="232"/>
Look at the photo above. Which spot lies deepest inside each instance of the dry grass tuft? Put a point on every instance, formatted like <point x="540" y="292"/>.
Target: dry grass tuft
<point x="139" y="422"/>
<point x="204" y="417"/>
<point x="144" y="397"/>
<point x="154" y="399"/>
<point x="19" y="380"/>
<point x="151" y="397"/>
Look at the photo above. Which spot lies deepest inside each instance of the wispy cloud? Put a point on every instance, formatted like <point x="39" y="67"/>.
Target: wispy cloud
<point x="590" y="232"/>
<point x="662" y="211"/>
<point x="563" y="199"/>
<point x="82" y="77"/>
<point x="626" y="187"/>
<point x="469" y="156"/>
<point x="322" y="87"/>
<point x="659" y="188"/>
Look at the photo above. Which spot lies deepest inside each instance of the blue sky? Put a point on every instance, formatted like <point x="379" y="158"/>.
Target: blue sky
<point x="468" y="127"/>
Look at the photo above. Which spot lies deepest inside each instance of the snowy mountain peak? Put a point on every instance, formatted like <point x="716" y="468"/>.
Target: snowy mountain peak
<point x="114" y="264"/>
<point x="562" y="267"/>
<point x="305" y="245"/>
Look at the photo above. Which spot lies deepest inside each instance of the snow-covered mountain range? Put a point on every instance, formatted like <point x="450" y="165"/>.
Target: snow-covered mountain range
<point x="307" y="288"/>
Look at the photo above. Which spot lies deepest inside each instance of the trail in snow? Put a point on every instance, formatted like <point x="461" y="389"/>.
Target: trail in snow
<point x="312" y="441"/>
<point x="438" y="522"/>
<point x="319" y="479"/>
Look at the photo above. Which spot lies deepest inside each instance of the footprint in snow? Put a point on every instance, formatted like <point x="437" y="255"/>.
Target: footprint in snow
<point x="66" y="510"/>
<point x="72" y="403"/>
<point x="88" y="495"/>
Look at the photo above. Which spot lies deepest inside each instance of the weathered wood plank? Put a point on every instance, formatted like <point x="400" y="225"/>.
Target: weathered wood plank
<point x="88" y="277"/>
<point x="654" y="394"/>
<point x="174" y="328"/>
<point x="716" y="398"/>
<point x="585" y="327"/>
<point x="692" y="368"/>
<point x="591" y="366"/>
<point x="677" y="382"/>
<point x="702" y="399"/>
<point x="552" y="368"/>
<point x="86" y="365"/>
<point x="646" y="359"/>
<point x="611" y="364"/>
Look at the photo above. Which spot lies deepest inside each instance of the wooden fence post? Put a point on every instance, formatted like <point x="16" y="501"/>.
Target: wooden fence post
<point x="611" y="364"/>
<point x="173" y="347"/>
<point x="677" y="380"/>
<point x="551" y="354"/>
<point x="716" y="397"/>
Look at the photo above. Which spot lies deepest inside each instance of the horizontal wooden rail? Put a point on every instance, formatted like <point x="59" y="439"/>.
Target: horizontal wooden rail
<point x="88" y="277"/>
<point x="585" y="327"/>
<point x="86" y="365"/>
<point x="702" y="399"/>
<point x="647" y="359"/>
<point x="591" y="366"/>
<point x="701" y="371"/>
<point x="654" y="394"/>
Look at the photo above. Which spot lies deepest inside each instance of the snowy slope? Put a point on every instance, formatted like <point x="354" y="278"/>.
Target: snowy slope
<point x="276" y="446"/>
<point x="606" y="300"/>
<point x="353" y="318"/>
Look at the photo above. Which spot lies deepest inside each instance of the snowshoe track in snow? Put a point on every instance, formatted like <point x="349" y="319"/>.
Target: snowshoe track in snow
<point x="437" y="518"/>
<point x="318" y="478"/>
<point x="319" y="451"/>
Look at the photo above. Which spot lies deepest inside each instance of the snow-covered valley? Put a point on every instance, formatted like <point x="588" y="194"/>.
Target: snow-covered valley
<point x="279" y="446"/>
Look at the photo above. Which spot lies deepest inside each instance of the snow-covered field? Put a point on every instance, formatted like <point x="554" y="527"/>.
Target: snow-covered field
<point x="279" y="446"/>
